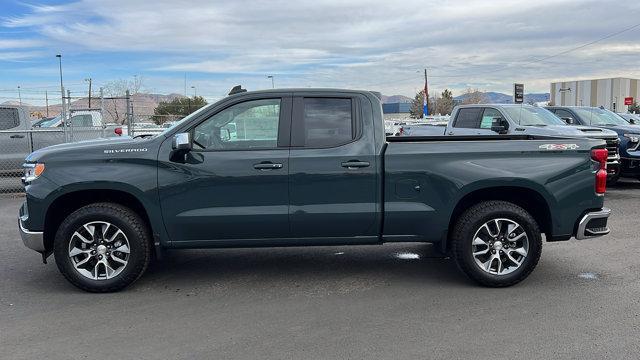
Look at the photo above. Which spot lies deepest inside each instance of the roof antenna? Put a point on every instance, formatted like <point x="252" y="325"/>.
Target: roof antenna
<point x="237" y="90"/>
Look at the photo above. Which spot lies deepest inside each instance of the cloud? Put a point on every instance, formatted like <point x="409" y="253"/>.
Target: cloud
<point x="19" y="55"/>
<point x="364" y="44"/>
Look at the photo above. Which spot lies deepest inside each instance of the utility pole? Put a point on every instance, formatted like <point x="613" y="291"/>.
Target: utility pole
<point x="195" y="93"/>
<point x="69" y="102"/>
<point x="19" y="96"/>
<point x="89" y="80"/>
<point x="273" y="86"/>
<point x="46" y="100"/>
<point x="128" y="117"/>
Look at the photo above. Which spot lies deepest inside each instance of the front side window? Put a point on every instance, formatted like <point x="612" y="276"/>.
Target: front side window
<point x="487" y="118"/>
<point x="244" y="126"/>
<point x="326" y="122"/>
<point x="81" y="120"/>
<point x="468" y="118"/>
<point x="563" y="114"/>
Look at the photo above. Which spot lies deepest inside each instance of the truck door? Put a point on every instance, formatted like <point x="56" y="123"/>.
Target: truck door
<point x="473" y="121"/>
<point x="233" y="184"/>
<point x="332" y="164"/>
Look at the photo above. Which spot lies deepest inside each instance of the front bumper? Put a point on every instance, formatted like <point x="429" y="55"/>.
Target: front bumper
<point x="630" y="167"/>
<point x="593" y="224"/>
<point x="31" y="239"/>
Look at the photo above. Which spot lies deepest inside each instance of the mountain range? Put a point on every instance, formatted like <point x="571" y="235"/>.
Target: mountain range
<point x="492" y="98"/>
<point x="144" y="103"/>
<point x="500" y="98"/>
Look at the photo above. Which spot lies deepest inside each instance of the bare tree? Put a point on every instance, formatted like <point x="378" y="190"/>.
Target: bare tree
<point x="473" y="96"/>
<point x="116" y="91"/>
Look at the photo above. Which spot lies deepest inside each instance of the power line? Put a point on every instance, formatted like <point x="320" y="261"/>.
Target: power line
<point x="521" y="63"/>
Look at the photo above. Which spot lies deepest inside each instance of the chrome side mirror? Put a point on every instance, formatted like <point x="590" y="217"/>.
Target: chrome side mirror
<point x="181" y="142"/>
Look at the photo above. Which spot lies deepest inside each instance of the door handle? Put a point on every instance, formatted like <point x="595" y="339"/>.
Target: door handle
<point x="354" y="164"/>
<point x="267" y="166"/>
<point x="16" y="136"/>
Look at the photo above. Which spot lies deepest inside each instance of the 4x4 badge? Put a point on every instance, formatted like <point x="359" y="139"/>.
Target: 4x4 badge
<point x="559" y="147"/>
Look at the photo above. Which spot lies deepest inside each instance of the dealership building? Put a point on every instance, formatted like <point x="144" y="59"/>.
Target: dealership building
<point x="610" y="93"/>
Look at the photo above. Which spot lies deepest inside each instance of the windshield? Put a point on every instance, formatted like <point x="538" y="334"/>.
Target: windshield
<point x="629" y="117"/>
<point x="48" y="123"/>
<point x="532" y="116"/>
<point x="186" y="118"/>
<point x="600" y="117"/>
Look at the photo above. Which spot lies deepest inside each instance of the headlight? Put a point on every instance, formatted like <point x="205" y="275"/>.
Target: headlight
<point x="32" y="172"/>
<point x="634" y="138"/>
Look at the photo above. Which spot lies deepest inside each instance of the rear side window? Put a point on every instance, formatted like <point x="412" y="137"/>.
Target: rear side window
<point x="326" y="122"/>
<point x="9" y="118"/>
<point x="468" y="118"/>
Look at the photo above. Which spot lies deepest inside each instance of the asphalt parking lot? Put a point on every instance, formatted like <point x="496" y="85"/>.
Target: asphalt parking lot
<point x="400" y="301"/>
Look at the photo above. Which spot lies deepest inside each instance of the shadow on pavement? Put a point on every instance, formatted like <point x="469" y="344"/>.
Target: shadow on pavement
<point x="408" y="263"/>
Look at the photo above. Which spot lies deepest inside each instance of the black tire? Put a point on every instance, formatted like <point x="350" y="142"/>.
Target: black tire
<point x="133" y="227"/>
<point x="472" y="220"/>
<point x="613" y="180"/>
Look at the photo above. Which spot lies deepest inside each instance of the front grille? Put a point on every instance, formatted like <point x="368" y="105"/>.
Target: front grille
<point x="612" y="148"/>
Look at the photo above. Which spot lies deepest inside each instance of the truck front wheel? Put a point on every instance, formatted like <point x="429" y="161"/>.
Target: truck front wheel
<point x="102" y="247"/>
<point x="496" y="243"/>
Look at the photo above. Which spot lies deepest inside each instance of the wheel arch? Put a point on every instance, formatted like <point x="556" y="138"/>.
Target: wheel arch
<point x="527" y="198"/>
<point x="68" y="202"/>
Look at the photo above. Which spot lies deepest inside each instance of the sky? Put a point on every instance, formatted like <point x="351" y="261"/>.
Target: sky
<point x="374" y="45"/>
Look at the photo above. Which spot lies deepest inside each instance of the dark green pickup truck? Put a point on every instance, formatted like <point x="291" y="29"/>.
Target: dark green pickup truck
<point x="303" y="167"/>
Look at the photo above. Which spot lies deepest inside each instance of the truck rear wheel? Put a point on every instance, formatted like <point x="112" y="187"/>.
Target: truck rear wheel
<point x="496" y="243"/>
<point x="102" y="247"/>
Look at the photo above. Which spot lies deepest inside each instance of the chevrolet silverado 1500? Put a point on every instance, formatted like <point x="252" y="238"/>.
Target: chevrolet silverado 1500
<point x="303" y="167"/>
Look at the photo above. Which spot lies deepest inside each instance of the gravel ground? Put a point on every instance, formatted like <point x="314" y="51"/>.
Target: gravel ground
<point x="399" y="301"/>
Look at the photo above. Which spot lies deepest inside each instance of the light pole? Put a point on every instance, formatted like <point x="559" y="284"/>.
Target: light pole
<point x="272" y="77"/>
<point x="89" y="81"/>
<point x="19" y="96"/>
<point x="62" y="111"/>
<point x="195" y="92"/>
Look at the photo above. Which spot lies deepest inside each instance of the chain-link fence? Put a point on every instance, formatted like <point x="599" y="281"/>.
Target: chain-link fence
<point x="21" y="134"/>
<point x="26" y="128"/>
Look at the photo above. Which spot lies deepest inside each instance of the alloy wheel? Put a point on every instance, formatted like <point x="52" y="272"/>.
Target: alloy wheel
<point x="500" y="246"/>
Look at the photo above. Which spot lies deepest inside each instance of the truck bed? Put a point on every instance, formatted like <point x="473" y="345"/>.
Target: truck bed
<point x="425" y="177"/>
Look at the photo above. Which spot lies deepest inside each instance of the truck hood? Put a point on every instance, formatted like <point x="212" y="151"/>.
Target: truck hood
<point x="98" y="146"/>
<point x="576" y="131"/>
<point x="624" y="129"/>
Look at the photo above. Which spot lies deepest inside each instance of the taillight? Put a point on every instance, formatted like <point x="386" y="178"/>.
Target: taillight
<point x="118" y="131"/>
<point x="600" y="156"/>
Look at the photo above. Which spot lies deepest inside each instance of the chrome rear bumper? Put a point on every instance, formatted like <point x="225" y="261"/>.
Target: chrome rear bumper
<point x="593" y="224"/>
